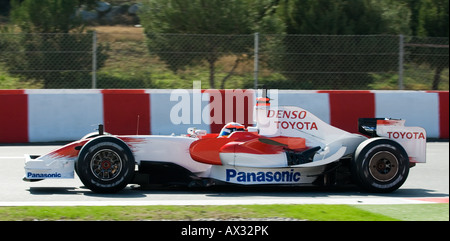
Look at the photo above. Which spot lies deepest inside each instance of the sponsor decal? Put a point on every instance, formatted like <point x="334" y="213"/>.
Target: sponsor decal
<point x="287" y="114"/>
<point x="262" y="177"/>
<point x="296" y="125"/>
<point x="43" y="175"/>
<point x="406" y="135"/>
<point x="294" y="116"/>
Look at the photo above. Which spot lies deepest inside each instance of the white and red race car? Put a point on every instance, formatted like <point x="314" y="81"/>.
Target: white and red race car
<point x="287" y="146"/>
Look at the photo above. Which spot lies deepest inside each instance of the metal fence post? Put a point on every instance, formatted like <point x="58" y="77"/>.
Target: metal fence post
<point x="255" y="71"/>
<point x="94" y="59"/>
<point x="401" y="53"/>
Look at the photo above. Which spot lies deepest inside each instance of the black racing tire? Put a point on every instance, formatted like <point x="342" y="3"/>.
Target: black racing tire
<point x="105" y="165"/>
<point x="380" y="165"/>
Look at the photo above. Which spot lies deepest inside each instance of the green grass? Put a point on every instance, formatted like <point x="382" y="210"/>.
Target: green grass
<point x="415" y="77"/>
<point x="8" y="81"/>
<point x="300" y="212"/>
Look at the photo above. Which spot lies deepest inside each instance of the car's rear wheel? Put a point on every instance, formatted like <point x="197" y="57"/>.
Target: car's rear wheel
<point x="105" y="165"/>
<point x="380" y="165"/>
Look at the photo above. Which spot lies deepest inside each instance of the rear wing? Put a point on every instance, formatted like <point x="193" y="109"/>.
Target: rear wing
<point x="413" y="139"/>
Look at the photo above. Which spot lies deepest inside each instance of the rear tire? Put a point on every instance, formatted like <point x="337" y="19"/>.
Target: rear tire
<point x="105" y="165"/>
<point x="380" y="165"/>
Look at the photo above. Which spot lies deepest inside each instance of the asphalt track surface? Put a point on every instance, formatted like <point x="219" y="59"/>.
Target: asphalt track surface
<point x="427" y="183"/>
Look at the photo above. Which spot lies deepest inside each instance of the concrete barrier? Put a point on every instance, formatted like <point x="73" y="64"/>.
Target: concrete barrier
<point x="65" y="115"/>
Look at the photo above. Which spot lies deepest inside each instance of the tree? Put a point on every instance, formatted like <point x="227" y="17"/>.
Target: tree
<point x="341" y="17"/>
<point x="52" y="46"/>
<point x="315" y="59"/>
<point x="4" y="7"/>
<point x="185" y="33"/>
<point x="433" y="21"/>
<point x="48" y="16"/>
<point x="433" y="18"/>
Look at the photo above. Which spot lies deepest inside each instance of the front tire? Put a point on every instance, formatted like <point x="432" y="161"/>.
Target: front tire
<point x="105" y="165"/>
<point x="380" y="165"/>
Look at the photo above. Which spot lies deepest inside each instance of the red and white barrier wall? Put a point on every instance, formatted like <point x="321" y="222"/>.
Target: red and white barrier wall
<point x="64" y="115"/>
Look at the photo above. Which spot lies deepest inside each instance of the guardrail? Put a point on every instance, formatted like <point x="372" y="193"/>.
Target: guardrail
<point x="46" y="115"/>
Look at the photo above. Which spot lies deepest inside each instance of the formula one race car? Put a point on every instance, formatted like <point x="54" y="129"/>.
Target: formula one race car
<point x="287" y="146"/>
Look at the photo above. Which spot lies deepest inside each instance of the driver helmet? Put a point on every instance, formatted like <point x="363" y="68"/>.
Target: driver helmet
<point x="230" y="128"/>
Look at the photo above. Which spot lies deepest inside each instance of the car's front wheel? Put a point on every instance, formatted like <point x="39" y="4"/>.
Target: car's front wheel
<point x="105" y="165"/>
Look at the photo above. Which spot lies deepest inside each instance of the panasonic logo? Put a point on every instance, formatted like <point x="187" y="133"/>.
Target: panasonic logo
<point x="43" y="175"/>
<point x="267" y="177"/>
